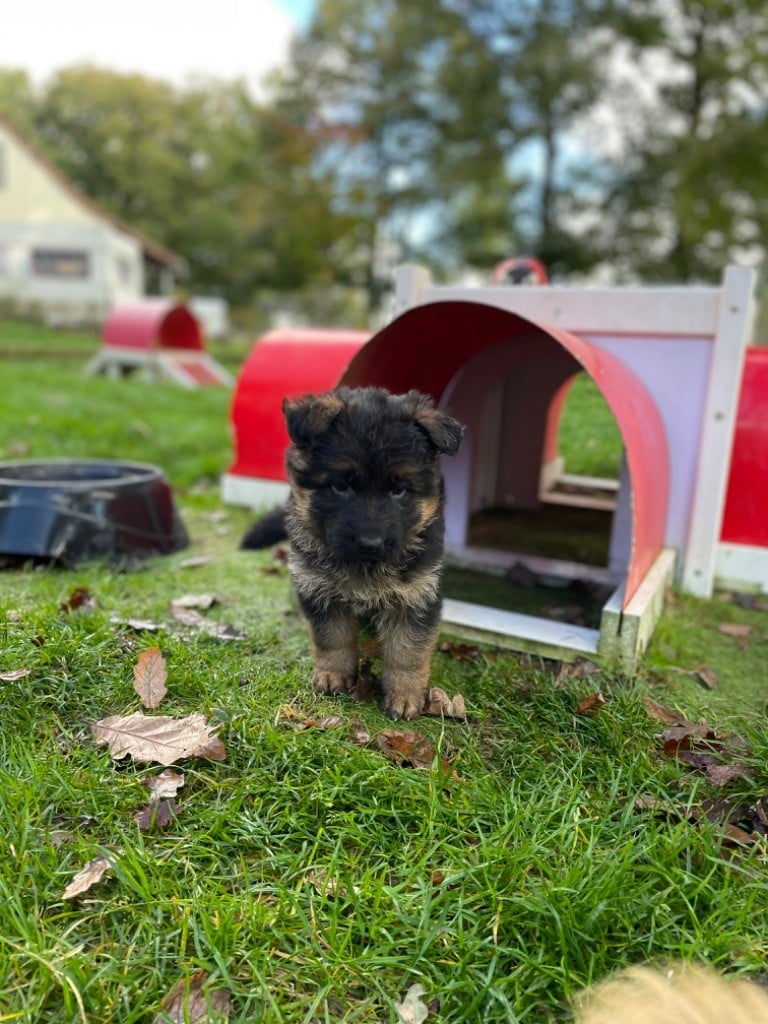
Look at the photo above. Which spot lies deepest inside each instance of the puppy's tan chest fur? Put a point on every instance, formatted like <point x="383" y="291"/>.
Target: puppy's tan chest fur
<point x="381" y="592"/>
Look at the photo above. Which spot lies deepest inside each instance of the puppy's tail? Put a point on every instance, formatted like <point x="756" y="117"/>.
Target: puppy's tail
<point x="268" y="530"/>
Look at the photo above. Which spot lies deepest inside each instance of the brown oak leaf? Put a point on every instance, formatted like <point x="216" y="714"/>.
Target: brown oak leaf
<point x="79" y="600"/>
<point x="149" y="677"/>
<point x="86" y="877"/>
<point x="14" y="674"/>
<point x="440" y="704"/>
<point x="590" y="704"/>
<point x="159" y="738"/>
<point x="191" y="1001"/>
<point x="165" y="785"/>
<point x="740" y="630"/>
<point x="201" y="601"/>
<point x="157" y="814"/>
<point x="408" y="747"/>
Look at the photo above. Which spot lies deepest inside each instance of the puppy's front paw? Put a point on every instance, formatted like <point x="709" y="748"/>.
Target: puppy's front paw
<point x="405" y="704"/>
<point x="325" y="681"/>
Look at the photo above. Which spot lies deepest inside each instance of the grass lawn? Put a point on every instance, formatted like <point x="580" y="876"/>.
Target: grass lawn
<point x="307" y="876"/>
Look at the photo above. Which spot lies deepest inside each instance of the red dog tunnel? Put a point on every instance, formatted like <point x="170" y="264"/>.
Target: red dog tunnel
<point x="743" y="548"/>
<point x="499" y="374"/>
<point x="282" y="364"/>
<point x="496" y="372"/>
<point x="152" y="323"/>
<point x="161" y="336"/>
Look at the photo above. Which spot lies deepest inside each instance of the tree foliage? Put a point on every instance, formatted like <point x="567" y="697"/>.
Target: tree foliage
<point x="688" y="194"/>
<point x="474" y="130"/>
<point x="621" y="134"/>
<point x="205" y="170"/>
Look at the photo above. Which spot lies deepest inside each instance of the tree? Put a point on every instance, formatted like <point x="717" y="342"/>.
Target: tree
<point x="360" y="86"/>
<point x="550" y="64"/>
<point x="17" y="98"/>
<point x="689" y="193"/>
<point x="205" y="170"/>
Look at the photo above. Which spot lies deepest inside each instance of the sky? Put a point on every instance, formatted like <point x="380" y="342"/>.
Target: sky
<point x="169" y="39"/>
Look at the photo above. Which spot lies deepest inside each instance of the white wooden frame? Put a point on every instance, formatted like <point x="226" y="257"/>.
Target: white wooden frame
<point x="721" y="315"/>
<point x="157" y="363"/>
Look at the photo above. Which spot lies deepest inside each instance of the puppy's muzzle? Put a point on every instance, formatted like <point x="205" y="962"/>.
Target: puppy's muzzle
<point x="370" y="546"/>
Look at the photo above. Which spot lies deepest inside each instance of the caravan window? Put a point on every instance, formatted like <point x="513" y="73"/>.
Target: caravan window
<point x="59" y="263"/>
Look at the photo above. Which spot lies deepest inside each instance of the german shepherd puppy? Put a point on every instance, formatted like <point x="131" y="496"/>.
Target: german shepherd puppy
<point x="365" y="521"/>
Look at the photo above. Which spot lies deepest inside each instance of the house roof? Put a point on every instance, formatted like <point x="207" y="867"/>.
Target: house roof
<point x="153" y="251"/>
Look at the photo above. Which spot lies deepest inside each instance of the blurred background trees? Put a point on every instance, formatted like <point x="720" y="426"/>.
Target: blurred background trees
<point x="614" y="139"/>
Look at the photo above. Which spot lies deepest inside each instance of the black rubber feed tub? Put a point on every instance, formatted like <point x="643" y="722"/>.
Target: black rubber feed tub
<point x="69" y="511"/>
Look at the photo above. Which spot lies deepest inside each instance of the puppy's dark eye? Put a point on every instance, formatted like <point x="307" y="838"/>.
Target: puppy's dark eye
<point x="397" y="489"/>
<point x="341" y="487"/>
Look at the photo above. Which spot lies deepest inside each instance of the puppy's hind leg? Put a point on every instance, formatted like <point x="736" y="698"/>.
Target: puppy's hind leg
<point x="335" y="646"/>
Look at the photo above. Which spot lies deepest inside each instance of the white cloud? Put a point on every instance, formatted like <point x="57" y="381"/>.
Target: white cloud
<point x="170" y="39"/>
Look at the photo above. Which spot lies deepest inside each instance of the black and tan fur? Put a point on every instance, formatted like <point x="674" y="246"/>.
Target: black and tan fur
<point x="365" y="520"/>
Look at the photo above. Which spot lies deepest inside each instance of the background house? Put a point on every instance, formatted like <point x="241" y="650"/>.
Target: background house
<point x="60" y="254"/>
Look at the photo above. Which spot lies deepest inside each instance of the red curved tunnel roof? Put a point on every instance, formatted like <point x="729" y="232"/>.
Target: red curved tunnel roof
<point x="426" y="346"/>
<point x="284" y="363"/>
<point x="152" y="323"/>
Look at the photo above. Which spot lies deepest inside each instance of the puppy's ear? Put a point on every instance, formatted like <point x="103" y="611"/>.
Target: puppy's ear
<point x="443" y="431"/>
<point x="310" y="416"/>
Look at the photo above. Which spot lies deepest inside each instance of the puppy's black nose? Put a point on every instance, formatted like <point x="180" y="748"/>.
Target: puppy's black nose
<point x="370" y="543"/>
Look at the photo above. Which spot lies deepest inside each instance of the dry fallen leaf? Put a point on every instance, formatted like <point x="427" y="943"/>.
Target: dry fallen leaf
<point x="86" y="877"/>
<point x="590" y="704"/>
<point x="407" y="747"/>
<point x="706" y="676"/>
<point x="571" y="671"/>
<point x="157" y="814"/>
<point x="192" y="618"/>
<point x="440" y="704"/>
<point x="196" y="561"/>
<point x="159" y="738"/>
<point x="412" y="1010"/>
<point x="200" y="601"/>
<point x="149" y="677"/>
<point x="684" y="735"/>
<point x="739" y="836"/>
<point x="138" y="625"/>
<point x="79" y="600"/>
<point x="367" y="684"/>
<point x="722" y="774"/>
<point x="188" y="616"/>
<point x="189" y="1002"/>
<point x="14" y="674"/>
<point x="737" y="629"/>
<point x="661" y="713"/>
<point x="291" y="716"/>
<point x="460" y="652"/>
<point x="280" y="554"/>
<point x="329" y="722"/>
<point x="165" y="785"/>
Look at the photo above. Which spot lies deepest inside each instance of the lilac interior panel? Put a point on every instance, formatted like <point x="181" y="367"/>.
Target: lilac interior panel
<point x="675" y="372"/>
